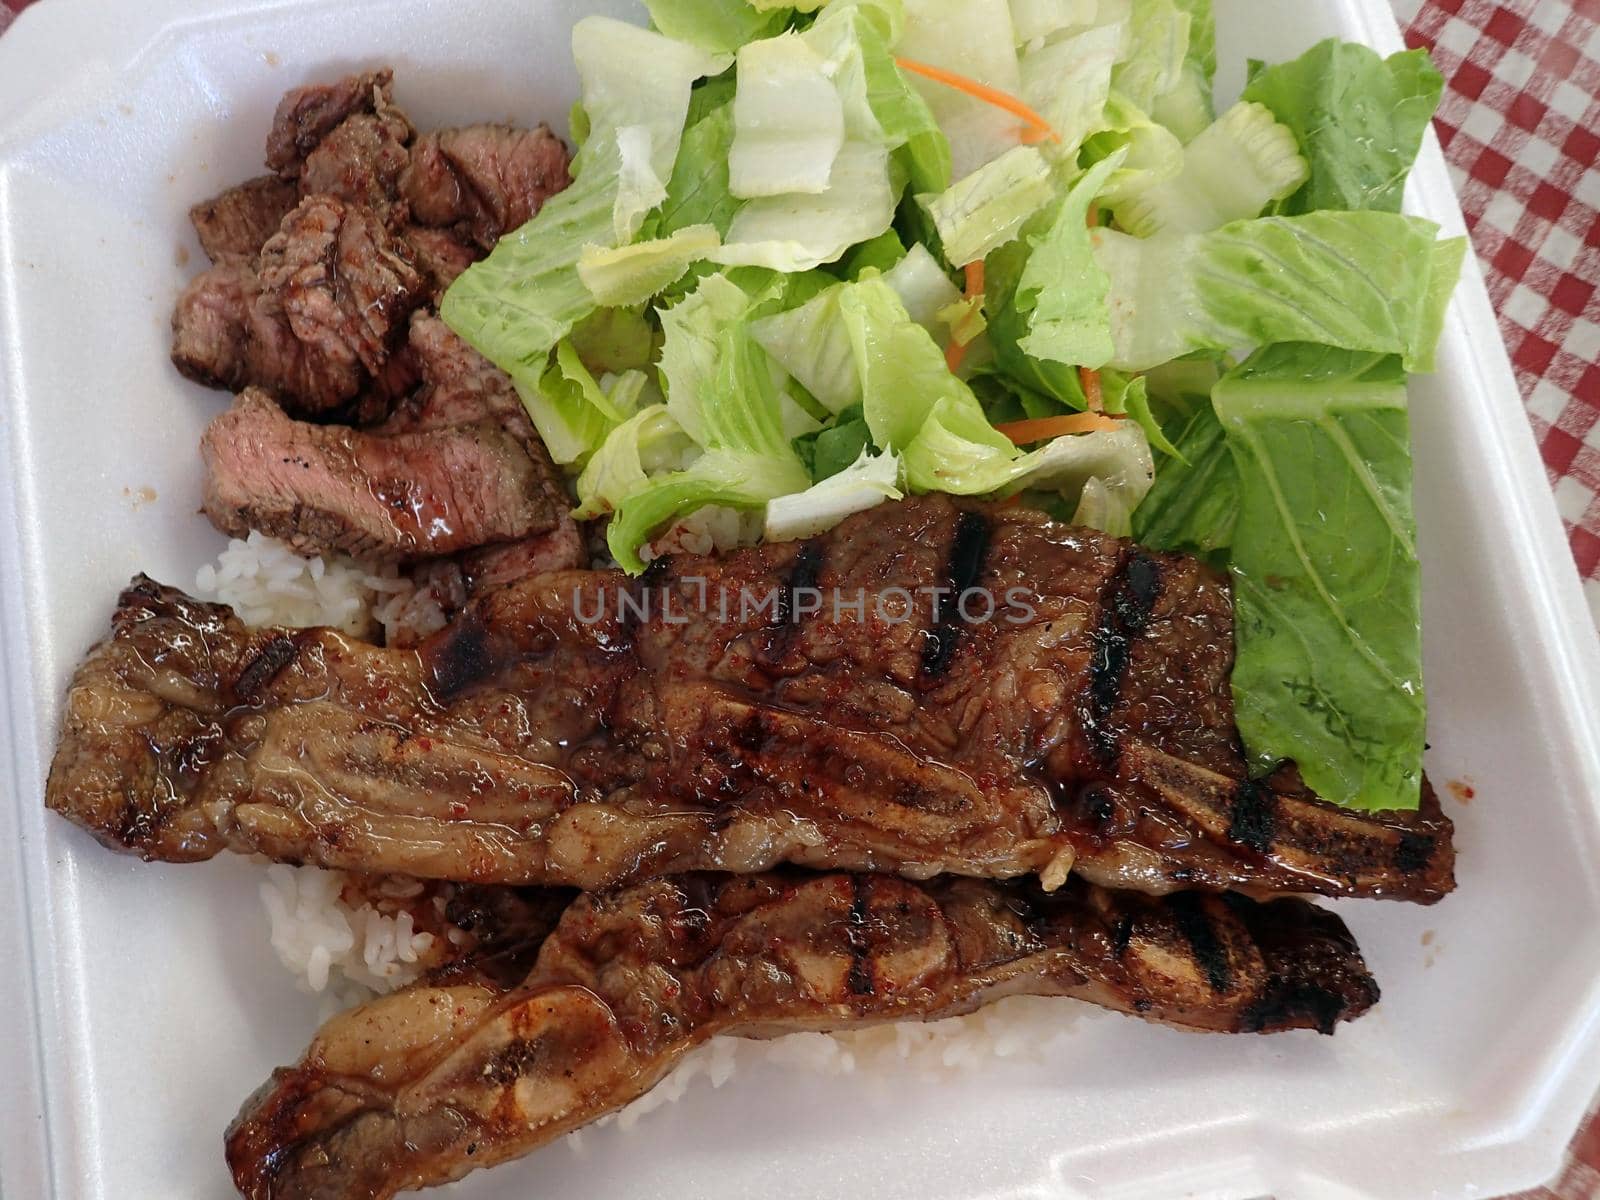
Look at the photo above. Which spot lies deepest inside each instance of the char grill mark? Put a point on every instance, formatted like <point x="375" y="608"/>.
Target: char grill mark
<point x="968" y="548"/>
<point x="804" y="573"/>
<point x="860" y="977"/>
<point x="1189" y="910"/>
<point x="264" y="667"/>
<point x="1254" y="816"/>
<point x="1125" y="606"/>
<point x="475" y="1069"/>
<point x="587" y="748"/>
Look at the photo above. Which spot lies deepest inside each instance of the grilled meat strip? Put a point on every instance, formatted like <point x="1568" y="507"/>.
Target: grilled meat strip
<point x="553" y="734"/>
<point x="421" y="1086"/>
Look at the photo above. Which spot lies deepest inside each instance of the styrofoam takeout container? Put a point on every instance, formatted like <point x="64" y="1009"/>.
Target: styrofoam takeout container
<point x="143" y="1002"/>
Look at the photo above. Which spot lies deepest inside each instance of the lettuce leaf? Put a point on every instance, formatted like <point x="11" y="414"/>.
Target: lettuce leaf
<point x="1160" y="46"/>
<point x="720" y="26"/>
<point x="1068" y="82"/>
<point x="1359" y="120"/>
<point x="625" y="275"/>
<point x="1195" y="501"/>
<point x="571" y="411"/>
<point x="1356" y="280"/>
<point x="813" y="345"/>
<point x="646" y="443"/>
<point x="1231" y="171"/>
<point x="788" y="120"/>
<point x="973" y="38"/>
<point x="866" y="483"/>
<point x="1326" y="582"/>
<point x="987" y="208"/>
<point x="1062" y="291"/>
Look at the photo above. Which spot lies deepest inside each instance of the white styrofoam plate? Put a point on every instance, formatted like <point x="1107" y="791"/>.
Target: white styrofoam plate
<point x="144" y="1003"/>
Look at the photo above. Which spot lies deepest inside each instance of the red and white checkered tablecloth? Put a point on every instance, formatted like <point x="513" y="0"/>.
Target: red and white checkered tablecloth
<point x="1520" y="125"/>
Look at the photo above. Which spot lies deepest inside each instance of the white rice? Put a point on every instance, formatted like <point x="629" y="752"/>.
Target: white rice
<point x="348" y="952"/>
<point x="267" y="583"/>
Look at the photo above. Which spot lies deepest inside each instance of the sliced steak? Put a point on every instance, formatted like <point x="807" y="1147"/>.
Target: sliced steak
<point x="400" y="498"/>
<point x="233" y="227"/>
<point x="719" y="713"/>
<point x="463" y="1070"/>
<point x="483" y="180"/>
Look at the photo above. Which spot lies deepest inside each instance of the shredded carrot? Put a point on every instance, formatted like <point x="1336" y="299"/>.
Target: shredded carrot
<point x="1038" y="129"/>
<point x="1091" y="388"/>
<point x="1040" y="428"/>
<point x="955" y="353"/>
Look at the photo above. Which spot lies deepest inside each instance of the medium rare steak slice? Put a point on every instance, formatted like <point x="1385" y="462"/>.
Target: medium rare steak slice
<point x="465" y="1070"/>
<point x="802" y="703"/>
<point x="315" y="322"/>
<point x="484" y="180"/>
<point x="233" y="227"/>
<point x="398" y="498"/>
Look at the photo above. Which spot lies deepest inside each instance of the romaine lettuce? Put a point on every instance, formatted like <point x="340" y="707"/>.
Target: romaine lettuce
<point x="788" y="120"/>
<point x="1231" y="171"/>
<point x="625" y="275"/>
<point x="1062" y="291"/>
<point x="1359" y="281"/>
<point x="972" y="38"/>
<point x="1327" y="590"/>
<point x="987" y="208"/>
<point x="1359" y="120"/>
<point x="721" y="26"/>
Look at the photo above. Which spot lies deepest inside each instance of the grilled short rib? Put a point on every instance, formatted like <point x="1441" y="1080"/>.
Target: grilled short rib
<point x="465" y="1071"/>
<point x="553" y="734"/>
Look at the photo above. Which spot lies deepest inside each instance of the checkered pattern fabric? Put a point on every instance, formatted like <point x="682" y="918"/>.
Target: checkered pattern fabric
<point x="1520" y="125"/>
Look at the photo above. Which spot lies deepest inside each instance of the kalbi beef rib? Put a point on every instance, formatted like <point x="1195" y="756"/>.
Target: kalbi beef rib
<point x="552" y="734"/>
<point x="422" y="1086"/>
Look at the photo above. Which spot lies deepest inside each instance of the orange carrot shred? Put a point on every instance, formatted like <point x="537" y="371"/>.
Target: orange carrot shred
<point x="1039" y="129"/>
<point x="1040" y="428"/>
<point x="1091" y="389"/>
<point x="955" y="353"/>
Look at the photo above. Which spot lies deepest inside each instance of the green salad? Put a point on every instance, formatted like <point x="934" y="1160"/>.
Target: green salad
<point x="819" y="256"/>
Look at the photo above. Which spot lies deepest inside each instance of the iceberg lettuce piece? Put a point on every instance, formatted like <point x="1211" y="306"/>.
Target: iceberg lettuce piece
<point x="571" y="411"/>
<point x="1159" y="45"/>
<point x="972" y="38"/>
<point x="871" y="480"/>
<point x="719" y="26"/>
<point x="636" y="84"/>
<point x="1062" y="290"/>
<point x="923" y="287"/>
<point x="1068" y="83"/>
<point x="797" y="232"/>
<point x="1359" y="281"/>
<point x="1108" y="472"/>
<point x="987" y="208"/>
<point x="1150" y="152"/>
<point x="645" y="444"/>
<point x="1359" y="119"/>
<point x="1231" y="171"/>
<point x="812" y="344"/>
<point x="1327" y="588"/>
<point x="626" y="275"/>
<point x="788" y="120"/>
